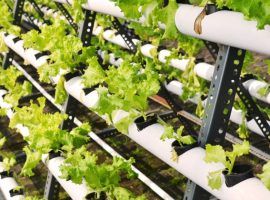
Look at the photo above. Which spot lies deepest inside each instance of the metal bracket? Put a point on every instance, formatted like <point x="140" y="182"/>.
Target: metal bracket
<point x="18" y="11"/>
<point x="121" y="30"/>
<point x="212" y="48"/>
<point x="17" y="15"/>
<point x="64" y="11"/>
<point x="8" y="58"/>
<point x="51" y="188"/>
<point x="110" y="132"/>
<point x="253" y="110"/>
<point x="30" y="24"/>
<point x="176" y="108"/>
<point x="87" y="27"/>
<point x="221" y="95"/>
<point x="194" y="191"/>
<point x="36" y="7"/>
<point x="68" y="123"/>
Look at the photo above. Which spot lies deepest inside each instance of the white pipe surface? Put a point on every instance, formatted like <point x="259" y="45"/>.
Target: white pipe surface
<point x="27" y="54"/>
<point x="192" y="165"/>
<point x="224" y="27"/>
<point x="75" y="191"/>
<point x="105" y="6"/>
<point x="7" y="184"/>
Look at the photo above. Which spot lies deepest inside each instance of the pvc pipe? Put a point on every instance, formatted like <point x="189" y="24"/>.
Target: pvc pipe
<point x="51" y="13"/>
<point x="75" y="87"/>
<point x="175" y="87"/>
<point x="253" y="86"/>
<point x="224" y="27"/>
<point x="30" y="57"/>
<point x="250" y="189"/>
<point x="105" y="6"/>
<point x="7" y="184"/>
<point x="176" y="63"/>
<point x="204" y="70"/>
<point x="27" y="54"/>
<point x="116" y="39"/>
<point x="148" y="49"/>
<point x="75" y="191"/>
<point x="112" y="59"/>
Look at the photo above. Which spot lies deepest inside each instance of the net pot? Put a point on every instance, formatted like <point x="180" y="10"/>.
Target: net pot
<point x="239" y="173"/>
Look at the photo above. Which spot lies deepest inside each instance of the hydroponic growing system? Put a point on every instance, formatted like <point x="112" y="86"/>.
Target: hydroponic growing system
<point x="173" y="77"/>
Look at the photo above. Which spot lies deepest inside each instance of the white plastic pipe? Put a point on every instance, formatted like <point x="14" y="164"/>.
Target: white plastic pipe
<point x="7" y="184"/>
<point x="191" y="164"/>
<point x="148" y="49"/>
<point x="176" y="63"/>
<point x="224" y="27"/>
<point x="27" y="54"/>
<point x="253" y="86"/>
<point x="75" y="191"/>
<point x="105" y="6"/>
<point x="116" y="39"/>
<point x="75" y="87"/>
<point x="51" y="13"/>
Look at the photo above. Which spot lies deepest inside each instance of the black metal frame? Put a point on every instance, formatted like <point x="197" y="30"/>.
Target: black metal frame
<point x="221" y="95"/>
<point x="126" y="37"/>
<point x="67" y="15"/>
<point x="253" y="110"/>
<point x="17" y="16"/>
<point x="176" y="108"/>
<point x="246" y="98"/>
<point x="52" y="187"/>
<point x="36" y="7"/>
<point x="86" y="30"/>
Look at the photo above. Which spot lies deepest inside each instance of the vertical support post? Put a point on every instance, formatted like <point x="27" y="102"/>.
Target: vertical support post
<point x="194" y="191"/>
<point x="221" y="95"/>
<point x="67" y="15"/>
<point x="254" y="111"/>
<point x="51" y="188"/>
<point x="36" y="7"/>
<point x="17" y="15"/>
<point x="219" y="106"/>
<point x="123" y="32"/>
<point x="18" y="11"/>
<point x="87" y="27"/>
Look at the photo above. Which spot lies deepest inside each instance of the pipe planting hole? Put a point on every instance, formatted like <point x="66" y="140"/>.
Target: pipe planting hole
<point x="236" y="62"/>
<point x="239" y="52"/>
